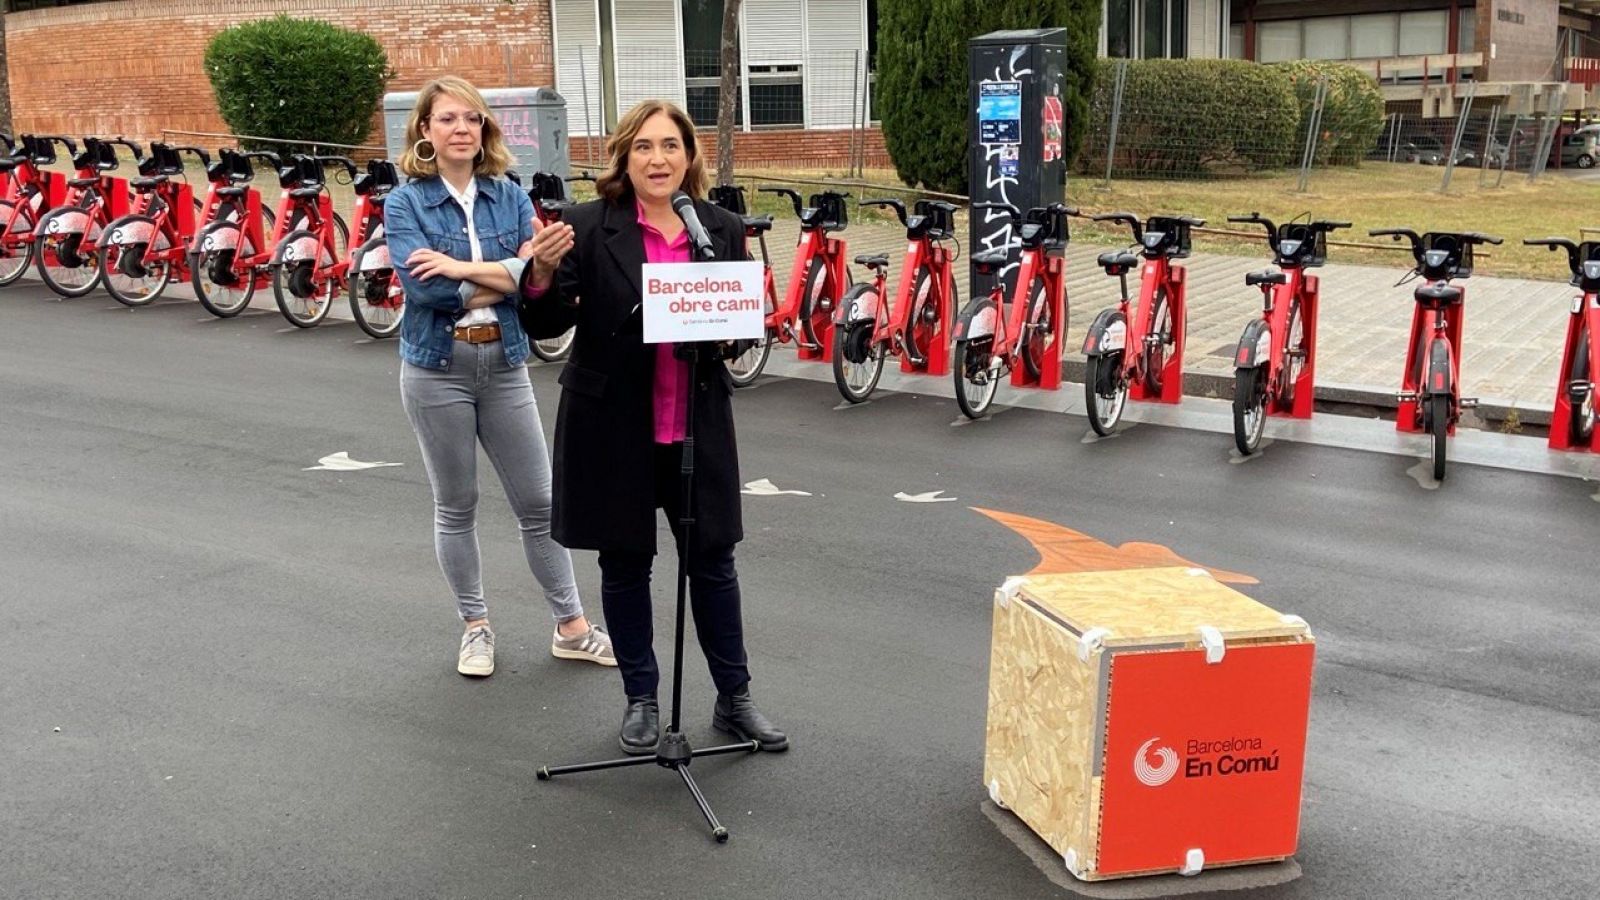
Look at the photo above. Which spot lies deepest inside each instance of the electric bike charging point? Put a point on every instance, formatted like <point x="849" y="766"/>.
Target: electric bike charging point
<point x="1573" y="419"/>
<point x="1014" y="144"/>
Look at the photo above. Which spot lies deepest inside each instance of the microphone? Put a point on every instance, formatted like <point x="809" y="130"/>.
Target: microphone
<point x="683" y="205"/>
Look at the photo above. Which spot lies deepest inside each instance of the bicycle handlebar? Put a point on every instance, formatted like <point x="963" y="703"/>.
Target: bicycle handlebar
<point x="588" y="177"/>
<point x="794" y="197"/>
<point x="1126" y="218"/>
<point x="1574" y="262"/>
<point x="898" y="207"/>
<point x="138" y="151"/>
<point x="5" y="138"/>
<point x="264" y="155"/>
<point x="63" y="140"/>
<point x="1012" y="211"/>
<point x="1479" y="237"/>
<point x="200" y="153"/>
<point x="345" y="161"/>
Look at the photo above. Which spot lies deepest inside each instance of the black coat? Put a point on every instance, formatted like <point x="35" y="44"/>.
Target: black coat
<point x="605" y="427"/>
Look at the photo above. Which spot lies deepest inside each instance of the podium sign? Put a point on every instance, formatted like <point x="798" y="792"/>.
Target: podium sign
<point x="711" y="301"/>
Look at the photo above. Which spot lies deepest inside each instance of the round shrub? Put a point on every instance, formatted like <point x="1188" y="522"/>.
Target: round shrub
<point x="1352" y="111"/>
<point x="297" y="79"/>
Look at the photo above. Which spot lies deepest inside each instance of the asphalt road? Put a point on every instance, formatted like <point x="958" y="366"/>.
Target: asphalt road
<point x="251" y="665"/>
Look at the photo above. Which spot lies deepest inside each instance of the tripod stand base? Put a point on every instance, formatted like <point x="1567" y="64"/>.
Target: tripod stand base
<point x="673" y="753"/>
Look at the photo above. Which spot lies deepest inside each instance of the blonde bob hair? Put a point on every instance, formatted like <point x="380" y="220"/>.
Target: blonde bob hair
<point x="495" y="158"/>
<point x="614" y="185"/>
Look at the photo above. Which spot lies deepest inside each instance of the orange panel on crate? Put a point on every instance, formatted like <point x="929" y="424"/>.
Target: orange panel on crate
<point x="1204" y="756"/>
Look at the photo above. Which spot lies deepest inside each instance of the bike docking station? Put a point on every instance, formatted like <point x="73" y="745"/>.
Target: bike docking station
<point x="1147" y="721"/>
<point x="1015" y="158"/>
<point x="690" y="305"/>
<point x="1572" y="420"/>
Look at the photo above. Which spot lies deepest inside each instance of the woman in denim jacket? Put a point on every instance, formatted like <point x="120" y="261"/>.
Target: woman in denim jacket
<point x="454" y="232"/>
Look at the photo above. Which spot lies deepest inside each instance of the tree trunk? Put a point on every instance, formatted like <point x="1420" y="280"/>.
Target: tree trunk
<point x="728" y="90"/>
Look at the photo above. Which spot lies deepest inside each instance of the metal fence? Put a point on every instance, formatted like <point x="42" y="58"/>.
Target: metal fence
<point x="1481" y="144"/>
<point x="824" y="91"/>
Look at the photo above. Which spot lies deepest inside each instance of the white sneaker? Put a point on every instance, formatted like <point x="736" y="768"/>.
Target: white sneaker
<point x="593" y="646"/>
<point x="477" y="652"/>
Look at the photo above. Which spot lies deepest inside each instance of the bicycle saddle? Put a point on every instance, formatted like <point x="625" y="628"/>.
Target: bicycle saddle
<point x="1443" y="293"/>
<point x="873" y="262"/>
<point x="232" y="191"/>
<point x="1117" y="261"/>
<point x="990" y="261"/>
<point x="1265" y="276"/>
<point x="145" y="184"/>
<point x="82" y="182"/>
<point x="757" y="224"/>
<point x="7" y="164"/>
<point x="305" y="193"/>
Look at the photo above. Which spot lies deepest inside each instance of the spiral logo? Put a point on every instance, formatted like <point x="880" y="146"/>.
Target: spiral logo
<point x="1159" y="774"/>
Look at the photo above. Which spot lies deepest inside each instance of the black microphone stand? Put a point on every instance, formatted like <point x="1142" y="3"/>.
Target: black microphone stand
<point x="674" y="752"/>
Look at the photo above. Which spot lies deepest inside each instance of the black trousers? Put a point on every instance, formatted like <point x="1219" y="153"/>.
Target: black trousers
<point x="713" y="598"/>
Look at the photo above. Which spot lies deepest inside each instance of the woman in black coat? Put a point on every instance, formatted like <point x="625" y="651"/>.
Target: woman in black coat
<point x="620" y="425"/>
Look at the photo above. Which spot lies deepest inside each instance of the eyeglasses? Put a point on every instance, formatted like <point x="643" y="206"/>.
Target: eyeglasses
<point x="449" y="120"/>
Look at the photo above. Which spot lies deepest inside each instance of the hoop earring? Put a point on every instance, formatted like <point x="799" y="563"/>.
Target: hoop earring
<point x="418" y="153"/>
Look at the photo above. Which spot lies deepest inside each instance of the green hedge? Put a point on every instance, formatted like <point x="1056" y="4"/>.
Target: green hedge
<point x="1184" y="118"/>
<point x="297" y="79"/>
<point x="1352" y="114"/>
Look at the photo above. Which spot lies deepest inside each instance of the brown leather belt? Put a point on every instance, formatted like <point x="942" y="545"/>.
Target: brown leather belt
<point x="478" y="334"/>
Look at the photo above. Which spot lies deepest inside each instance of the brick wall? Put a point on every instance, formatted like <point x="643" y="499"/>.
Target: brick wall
<point x="88" y="69"/>
<point x="1524" y="37"/>
<point x="135" y="67"/>
<point x="788" y="148"/>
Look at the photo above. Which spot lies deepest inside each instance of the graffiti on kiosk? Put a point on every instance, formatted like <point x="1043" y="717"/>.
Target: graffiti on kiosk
<point x="1052" y="128"/>
<point x="518" y="127"/>
<point x="1000" y="171"/>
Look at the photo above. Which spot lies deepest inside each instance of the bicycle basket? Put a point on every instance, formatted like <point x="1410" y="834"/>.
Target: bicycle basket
<point x="940" y="218"/>
<point x="43" y="153"/>
<point x="165" y="160"/>
<point x="1299" y="244"/>
<point x="546" y="186"/>
<point x="730" y="198"/>
<point x="1176" y="239"/>
<point x="833" y="215"/>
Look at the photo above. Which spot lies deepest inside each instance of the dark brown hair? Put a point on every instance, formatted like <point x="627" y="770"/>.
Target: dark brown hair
<point x="614" y="185"/>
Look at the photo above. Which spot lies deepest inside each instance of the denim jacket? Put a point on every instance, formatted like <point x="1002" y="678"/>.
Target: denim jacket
<point x="422" y="215"/>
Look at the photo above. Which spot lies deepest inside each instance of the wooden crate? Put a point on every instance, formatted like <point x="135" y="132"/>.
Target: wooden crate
<point x="1116" y="697"/>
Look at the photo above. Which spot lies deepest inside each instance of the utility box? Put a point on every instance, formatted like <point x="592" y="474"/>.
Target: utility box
<point x="1014" y="151"/>
<point x="1148" y="721"/>
<point x="534" y="121"/>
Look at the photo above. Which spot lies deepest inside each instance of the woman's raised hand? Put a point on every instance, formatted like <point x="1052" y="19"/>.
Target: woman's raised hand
<point x="550" y="243"/>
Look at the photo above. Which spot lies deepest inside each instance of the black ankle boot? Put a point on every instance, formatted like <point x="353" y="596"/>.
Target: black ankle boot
<point x="641" y="726"/>
<point x="737" y="715"/>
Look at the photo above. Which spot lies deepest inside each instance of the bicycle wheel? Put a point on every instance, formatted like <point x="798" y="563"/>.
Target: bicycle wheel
<point x="1580" y="392"/>
<point x="220" y="286"/>
<point x="554" y="349"/>
<point x="816" y="283"/>
<point x="1439" y="414"/>
<point x="746" y="367"/>
<point x="1105" y="391"/>
<point x="1249" y="408"/>
<point x="975" y="383"/>
<point x="128" y="277"/>
<point x="922" y="327"/>
<point x="1040" y="333"/>
<point x="857" y="361"/>
<point x="16" y="251"/>
<point x="64" y="266"/>
<point x="1294" y="358"/>
<point x="376" y="300"/>
<point x="301" y="298"/>
<point x="1155" y="354"/>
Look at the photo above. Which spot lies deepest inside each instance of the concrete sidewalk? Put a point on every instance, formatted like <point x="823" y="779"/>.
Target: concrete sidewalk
<point x="1513" y="334"/>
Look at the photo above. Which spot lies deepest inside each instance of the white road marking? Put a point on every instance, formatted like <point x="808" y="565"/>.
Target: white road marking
<point x="764" y="487"/>
<point x="341" y="462"/>
<point x="927" y="497"/>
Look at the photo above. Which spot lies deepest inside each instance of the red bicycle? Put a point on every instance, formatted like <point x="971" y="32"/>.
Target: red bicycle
<point x="914" y="328"/>
<point x="376" y="298"/>
<point x="67" y="240"/>
<point x="1275" y="365"/>
<point x="991" y="341"/>
<point x="548" y="192"/>
<point x="1572" y="422"/>
<point x="1430" y="387"/>
<point x="146" y="249"/>
<point x="31" y="191"/>
<point x="1132" y="349"/>
<point x="308" y="267"/>
<point x="745" y="368"/>
<point x="818" y="280"/>
<point x="234" y="233"/>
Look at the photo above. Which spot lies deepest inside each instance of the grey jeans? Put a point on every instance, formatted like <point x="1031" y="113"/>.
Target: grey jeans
<point x="479" y="398"/>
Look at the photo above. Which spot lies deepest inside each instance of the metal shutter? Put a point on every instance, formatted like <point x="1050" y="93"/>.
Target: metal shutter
<point x="649" y="52"/>
<point x="576" y="26"/>
<point x="836" y="42"/>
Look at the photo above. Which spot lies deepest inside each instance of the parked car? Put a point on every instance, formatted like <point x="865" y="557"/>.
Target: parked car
<point x="1429" y="151"/>
<point x="1581" y="149"/>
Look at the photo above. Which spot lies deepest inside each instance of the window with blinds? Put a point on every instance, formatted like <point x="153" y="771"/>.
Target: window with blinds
<point x="576" y="26"/>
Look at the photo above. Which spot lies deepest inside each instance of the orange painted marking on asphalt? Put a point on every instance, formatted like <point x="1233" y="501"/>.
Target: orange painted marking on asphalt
<point x="1061" y="549"/>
